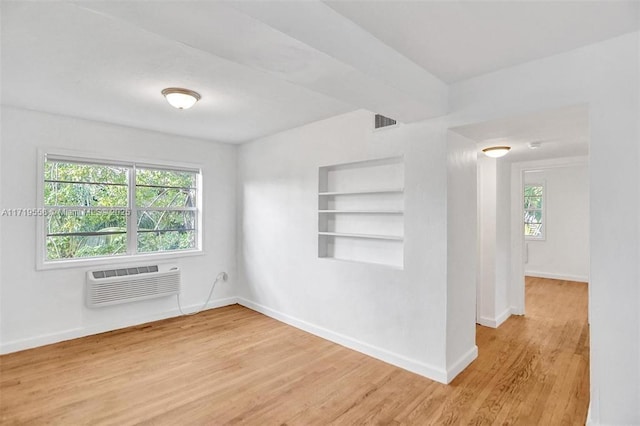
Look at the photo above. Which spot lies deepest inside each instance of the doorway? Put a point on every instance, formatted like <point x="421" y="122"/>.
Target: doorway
<point x="550" y="223"/>
<point x="539" y="142"/>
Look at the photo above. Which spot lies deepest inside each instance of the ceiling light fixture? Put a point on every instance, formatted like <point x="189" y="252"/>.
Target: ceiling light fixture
<point x="181" y="98"/>
<point x="496" y="151"/>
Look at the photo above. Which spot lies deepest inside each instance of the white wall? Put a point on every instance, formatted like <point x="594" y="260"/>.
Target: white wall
<point x="494" y="251"/>
<point x="462" y="233"/>
<point x="396" y="315"/>
<point x="487" y="203"/>
<point x="40" y="307"/>
<point x="1" y="222"/>
<point x="605" y="76"/>
<point x="564" y="252"/>
<point x="503" y="307"/>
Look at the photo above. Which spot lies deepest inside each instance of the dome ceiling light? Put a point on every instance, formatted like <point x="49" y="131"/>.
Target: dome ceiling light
<point x="496" y="151"/>
<point x="181" y="98"/>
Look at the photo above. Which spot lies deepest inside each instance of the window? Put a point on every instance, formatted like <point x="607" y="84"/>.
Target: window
<point x="99" y="209"/>
<point x="534" y="211"/>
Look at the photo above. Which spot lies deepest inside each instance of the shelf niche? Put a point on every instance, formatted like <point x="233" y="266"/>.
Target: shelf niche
<point x="361" y="211"/>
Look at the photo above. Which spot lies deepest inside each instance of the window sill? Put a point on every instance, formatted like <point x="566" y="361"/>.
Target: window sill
<point x="115" y="260"/>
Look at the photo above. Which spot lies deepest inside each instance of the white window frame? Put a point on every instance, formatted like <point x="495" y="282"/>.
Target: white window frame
<point x="543" y="227"/>
<point x="132" y="256"/>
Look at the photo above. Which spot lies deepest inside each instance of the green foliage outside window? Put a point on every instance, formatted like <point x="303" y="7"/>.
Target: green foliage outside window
<point x="88" y="210"/>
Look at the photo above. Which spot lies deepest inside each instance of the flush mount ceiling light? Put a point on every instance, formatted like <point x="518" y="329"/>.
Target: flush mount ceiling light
<point x="496" y="151"/>
<point x="181" y="98"/>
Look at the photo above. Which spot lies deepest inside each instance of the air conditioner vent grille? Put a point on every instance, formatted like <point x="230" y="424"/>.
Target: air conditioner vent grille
<point x="382" y="121"/>
<point x="124" y="271"/>
<point x="115" y="286"/>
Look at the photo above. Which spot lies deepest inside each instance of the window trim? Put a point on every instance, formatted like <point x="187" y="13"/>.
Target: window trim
<point x="543" y="228"/>
<point x="97" y="158"/>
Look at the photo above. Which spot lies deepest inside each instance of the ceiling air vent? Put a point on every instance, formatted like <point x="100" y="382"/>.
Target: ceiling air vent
<point x="382" y="121"/>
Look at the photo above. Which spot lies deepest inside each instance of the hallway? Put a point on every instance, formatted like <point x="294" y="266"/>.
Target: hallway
<point x="535" y="368"/>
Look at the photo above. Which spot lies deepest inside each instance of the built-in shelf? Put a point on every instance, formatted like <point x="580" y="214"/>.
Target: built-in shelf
<point x="368" y="236"/>
<point x="362" y="211"/>
<point x="373" y="191"/>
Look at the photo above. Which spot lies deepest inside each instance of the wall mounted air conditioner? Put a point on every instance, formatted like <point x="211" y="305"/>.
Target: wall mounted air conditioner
<point x="107" y="287"/>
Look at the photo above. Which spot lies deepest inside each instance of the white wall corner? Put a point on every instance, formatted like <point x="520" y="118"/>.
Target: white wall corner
<point x="409" y="364"/>
<point x="74" y="333"/>
<point x="462" y="363"/>
<point x="503" y="317"/>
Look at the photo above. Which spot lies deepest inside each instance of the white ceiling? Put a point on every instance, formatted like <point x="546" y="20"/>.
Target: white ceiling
<point x="562" y="132"/>
<point x="66" y="59"/>
<point x="457" y="40"/>
<point x="262" y="67"/>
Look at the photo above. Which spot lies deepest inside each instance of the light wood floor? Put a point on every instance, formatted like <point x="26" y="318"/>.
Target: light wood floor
<point x="232" y="365"/>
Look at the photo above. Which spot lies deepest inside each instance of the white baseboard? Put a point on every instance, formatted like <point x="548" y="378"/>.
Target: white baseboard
<point x="554" y="276"/>
<point x="515" y="310"/>
<point x="462" y="363"/>
<point x="497" y="321"/>
<point x="589" y="421"/>
<point x="418" y="367"/>
<point x="74" y="333"/>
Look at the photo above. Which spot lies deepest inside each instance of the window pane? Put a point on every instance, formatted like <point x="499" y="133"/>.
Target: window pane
<point x="163" y="241"/>
<point x="534" y="216"/>
<point x="72" y="221"/>
<point x="533" y="230"/>
<point x="533" y="191"/>
<point x="69" y="247"/>
<point x="533" y="202"/>
<point x="77" y="194"/>
<point x="165" y="197"/>
<point x="165" y="178"/>
<point x="54" y="170"/>
<point x="166" y="220"/>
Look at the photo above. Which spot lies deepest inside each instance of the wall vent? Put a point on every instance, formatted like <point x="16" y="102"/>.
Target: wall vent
<point x="123" y="285"/>
<point x="382" y="121"/>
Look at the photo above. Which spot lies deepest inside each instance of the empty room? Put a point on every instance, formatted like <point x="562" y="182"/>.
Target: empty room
<point x="320" y="212"/>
